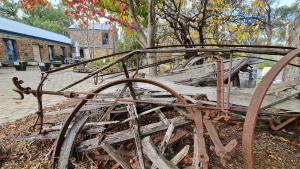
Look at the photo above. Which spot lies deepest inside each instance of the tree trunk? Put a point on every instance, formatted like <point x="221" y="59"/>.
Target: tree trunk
<point x="201" y="36"/>
<point x="269" y="29"/>
<point x="150" y="36"/>
<point x="292" y="34"/>
<point x="146" y="39"/>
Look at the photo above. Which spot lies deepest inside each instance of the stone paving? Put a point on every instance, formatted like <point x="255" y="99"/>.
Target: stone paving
<point x="11" y="109"/>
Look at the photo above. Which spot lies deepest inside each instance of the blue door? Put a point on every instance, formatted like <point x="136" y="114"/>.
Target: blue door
<point x="10" y="50"/>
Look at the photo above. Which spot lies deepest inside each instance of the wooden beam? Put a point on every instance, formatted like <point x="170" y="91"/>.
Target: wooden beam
<point x="127" y="134"/>
<point x="164" y="143"/>
<point x="180" y="155"/>
<point x="136" y="132"/>
<point x="114" y="154"/>
<point x="155" y="157"/>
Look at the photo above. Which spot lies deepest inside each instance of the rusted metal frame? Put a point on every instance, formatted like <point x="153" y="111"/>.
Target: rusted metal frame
<point x="157" y="47"/>
<point x="139" y="67"/>
<point x="39" y="94"/>
<point x="87" y="61"/>
<point x="132" y="93"/>
<point x="221" y="150"/>
<point x="272" y="60"/>
<point x="281" y="125"/>
<point x="60" y="139"/>
<point x="21" y="90"/>
<point x="74" y="95"/>
<point x="254" y="106"/>
<point x="96" y="79"/>
<point x="125" y="57"/>
<point x="170" y="50"/>
<point x="228" y="45"/>
<point x="27" y="90"/>
<point x="242" y="50"/>
<point x="229" y="81"/>
<point x="220" y="84"/>
<point x="161" y="103"/>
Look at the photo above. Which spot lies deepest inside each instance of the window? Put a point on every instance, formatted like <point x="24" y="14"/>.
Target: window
<point x="62" y="51"/>
<point x="105" y="39"/>
<point x="36" y="53"/>
<point x="51" y="53"/>
<point x="10" y="50"/>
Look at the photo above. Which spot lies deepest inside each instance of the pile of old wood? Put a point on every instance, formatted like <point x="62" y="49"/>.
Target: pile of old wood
<point x="117" y="132"/>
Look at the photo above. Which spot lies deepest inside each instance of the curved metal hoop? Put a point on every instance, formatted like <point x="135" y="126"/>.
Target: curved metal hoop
<point x="254" y="106"/>
<point x="63" y="131"/>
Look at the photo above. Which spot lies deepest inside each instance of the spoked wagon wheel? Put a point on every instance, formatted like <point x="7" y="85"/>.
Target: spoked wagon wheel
<point x="70" y="140"/>
<point x="255" y="104"/>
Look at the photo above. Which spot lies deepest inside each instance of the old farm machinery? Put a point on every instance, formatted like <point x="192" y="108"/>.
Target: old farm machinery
<point x="126" y="110"/>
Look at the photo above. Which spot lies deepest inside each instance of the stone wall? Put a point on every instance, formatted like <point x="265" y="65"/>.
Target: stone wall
<point x="24" y="47"/>
<point x="95" y="40"/>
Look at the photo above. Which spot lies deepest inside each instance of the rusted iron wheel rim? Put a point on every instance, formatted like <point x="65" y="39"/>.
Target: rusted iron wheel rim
<point x="63" y="131"/>
<point x="256" y="102"/>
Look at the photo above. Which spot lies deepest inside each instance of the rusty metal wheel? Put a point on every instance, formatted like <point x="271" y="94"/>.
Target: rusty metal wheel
<point x="64" y="145"/>
<point x="255" y="104"/>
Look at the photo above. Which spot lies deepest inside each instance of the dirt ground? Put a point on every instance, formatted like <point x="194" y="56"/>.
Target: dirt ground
<point x="271" y="152"/>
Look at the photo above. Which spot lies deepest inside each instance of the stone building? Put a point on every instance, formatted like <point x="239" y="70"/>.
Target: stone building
<point x="98" y="40"/>
<point x="21" y="42"/>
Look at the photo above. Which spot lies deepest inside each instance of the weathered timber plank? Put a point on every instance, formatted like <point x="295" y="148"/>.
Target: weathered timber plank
<point x="196" y="160"/>
<point x="283" y="86"/>
<point x="143" y="113"/>
<point x="127" y="134"/>
<point x="164" y="143"/>
<point x="162" y="117"/>
<point x="155" y="157"/>
<point x="237" y="96"/>
<point x="136" y="131"/>
<point x="180" y="155"/>
<point x="114" y="154"/>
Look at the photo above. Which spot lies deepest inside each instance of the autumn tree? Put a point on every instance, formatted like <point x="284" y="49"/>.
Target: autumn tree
<point x="137" y="15"/>
<point x="204" y="21"/>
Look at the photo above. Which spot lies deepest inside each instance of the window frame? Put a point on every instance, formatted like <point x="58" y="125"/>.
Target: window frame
<point x="105" y="34"/>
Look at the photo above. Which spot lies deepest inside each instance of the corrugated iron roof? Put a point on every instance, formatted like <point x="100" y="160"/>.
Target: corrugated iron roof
<point x="11" y="26"/>
<point x="96" y="26"/>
